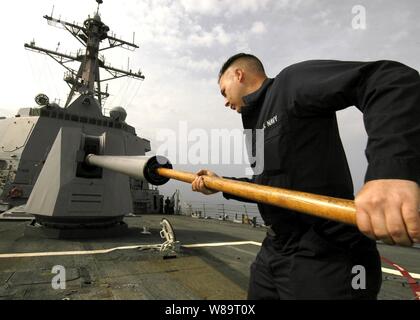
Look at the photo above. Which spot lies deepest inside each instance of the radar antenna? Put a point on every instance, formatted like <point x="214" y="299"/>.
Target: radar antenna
<point x="86" y="80"/>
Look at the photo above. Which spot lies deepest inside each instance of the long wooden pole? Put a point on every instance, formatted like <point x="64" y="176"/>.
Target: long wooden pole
<point x="341" y="210"/>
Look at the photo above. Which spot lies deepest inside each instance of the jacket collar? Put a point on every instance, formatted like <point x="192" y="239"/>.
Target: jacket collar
<point x="253" y="100"/>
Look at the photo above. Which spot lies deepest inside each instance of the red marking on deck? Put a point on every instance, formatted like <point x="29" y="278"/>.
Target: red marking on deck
<point x="415" y="287"/>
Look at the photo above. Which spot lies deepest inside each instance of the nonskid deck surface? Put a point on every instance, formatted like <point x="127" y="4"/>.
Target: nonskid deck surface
<point x="212" y="263"/>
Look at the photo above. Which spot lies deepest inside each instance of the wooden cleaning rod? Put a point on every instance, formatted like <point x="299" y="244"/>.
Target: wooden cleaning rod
<point x="341" y="210"/>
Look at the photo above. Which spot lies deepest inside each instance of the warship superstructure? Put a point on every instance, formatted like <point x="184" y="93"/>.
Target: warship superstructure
<point x="36" y="173"/>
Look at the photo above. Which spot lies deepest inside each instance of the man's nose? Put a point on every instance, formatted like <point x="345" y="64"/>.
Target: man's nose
<point x="227" y="104"/>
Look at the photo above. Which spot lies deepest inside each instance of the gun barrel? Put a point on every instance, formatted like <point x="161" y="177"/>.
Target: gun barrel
<point x="138" y="167"/>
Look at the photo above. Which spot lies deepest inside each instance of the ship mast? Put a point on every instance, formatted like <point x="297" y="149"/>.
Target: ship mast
<point x="86" y="80"/>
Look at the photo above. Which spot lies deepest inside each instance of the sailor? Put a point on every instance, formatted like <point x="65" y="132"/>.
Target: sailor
<point x="161" y="204"/>
<point x="167" y="205"/>
<point x="306" y="257"/>
<point x="171" y="207"/>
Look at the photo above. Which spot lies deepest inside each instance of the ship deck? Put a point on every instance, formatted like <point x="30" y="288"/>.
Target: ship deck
<point x="212" y="263"/>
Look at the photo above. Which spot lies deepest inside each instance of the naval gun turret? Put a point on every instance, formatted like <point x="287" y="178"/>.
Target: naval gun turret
<point x="41" y="147"/>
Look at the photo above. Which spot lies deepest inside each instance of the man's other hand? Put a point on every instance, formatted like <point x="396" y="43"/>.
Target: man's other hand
<point x="198" y="183"/>
<point x="388" y="210"/>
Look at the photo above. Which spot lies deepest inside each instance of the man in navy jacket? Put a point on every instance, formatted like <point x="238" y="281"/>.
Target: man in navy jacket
<point x="308" y="257"/>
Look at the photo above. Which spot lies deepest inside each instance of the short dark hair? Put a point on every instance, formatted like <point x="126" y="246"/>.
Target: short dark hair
<point x="252" y="60"/>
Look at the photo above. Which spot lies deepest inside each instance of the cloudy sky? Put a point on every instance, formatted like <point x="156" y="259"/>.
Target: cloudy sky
<point x="182" y="46"/>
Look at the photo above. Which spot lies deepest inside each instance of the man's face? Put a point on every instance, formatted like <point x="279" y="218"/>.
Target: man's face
<point x="232" y="88"/>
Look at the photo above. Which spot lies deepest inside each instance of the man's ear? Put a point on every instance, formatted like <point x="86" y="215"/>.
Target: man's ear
<point x="240" y="75"/>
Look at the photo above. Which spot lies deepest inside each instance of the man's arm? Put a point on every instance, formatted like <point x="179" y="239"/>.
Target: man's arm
<point x="388" y="94"/>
